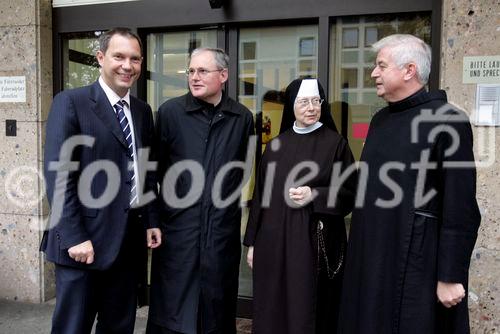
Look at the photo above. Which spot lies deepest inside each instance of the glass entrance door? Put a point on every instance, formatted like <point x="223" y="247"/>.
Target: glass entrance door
<point x="353" y="98"/>
<point x="79" y="65"/>
<point x="167" y="60"/>
<point x="269" y="59"/>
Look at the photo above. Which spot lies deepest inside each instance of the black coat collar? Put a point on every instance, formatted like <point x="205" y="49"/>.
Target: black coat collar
<point x="226" y="105"/>
<point x="418" y="98"/>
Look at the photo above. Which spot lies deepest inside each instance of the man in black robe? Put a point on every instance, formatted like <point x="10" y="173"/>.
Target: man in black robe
<point x="194" y="279"/>
<point x="411" y="239"/>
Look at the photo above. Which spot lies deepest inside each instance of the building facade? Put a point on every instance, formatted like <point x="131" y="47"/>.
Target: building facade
<point x="48" y="46"/>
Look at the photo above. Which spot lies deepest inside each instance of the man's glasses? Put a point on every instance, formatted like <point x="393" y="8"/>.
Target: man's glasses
<point x="316" y="102"/>
<point x="202" y="72"/>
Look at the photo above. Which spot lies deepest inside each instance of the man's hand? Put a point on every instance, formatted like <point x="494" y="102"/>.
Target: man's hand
<point x="83" y="252"/>
<point x="250" y="257"/>
<point x="154" y="237"/>
<point x="450" y="294"/>
<point x="301" y="195"/>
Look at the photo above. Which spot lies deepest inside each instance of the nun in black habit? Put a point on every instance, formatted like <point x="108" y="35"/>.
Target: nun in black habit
<point x="296" y="237"/>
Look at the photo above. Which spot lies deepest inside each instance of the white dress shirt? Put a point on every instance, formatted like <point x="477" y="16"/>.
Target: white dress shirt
<point x="113" y="98"/>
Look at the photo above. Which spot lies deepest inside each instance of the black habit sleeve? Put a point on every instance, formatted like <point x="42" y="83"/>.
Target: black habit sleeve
<point x="253" y="223"/>
<point x="345" y="197"/>
<point x="460" y="214"/>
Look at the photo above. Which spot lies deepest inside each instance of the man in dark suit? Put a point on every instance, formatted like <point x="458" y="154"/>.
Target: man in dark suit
<point x="97" y="187"/>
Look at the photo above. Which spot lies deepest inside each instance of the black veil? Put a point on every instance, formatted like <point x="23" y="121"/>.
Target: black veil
<point x="288" y="117"/>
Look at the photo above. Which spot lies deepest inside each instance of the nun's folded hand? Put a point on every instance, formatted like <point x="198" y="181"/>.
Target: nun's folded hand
<point x="301" y="195"/>
<point x="250" y="257"/>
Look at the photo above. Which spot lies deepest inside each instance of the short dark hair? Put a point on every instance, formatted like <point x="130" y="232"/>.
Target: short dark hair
<point x="106" y="37"/>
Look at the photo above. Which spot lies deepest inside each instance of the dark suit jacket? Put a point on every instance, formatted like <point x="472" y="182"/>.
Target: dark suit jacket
<point x="87" y="111"/>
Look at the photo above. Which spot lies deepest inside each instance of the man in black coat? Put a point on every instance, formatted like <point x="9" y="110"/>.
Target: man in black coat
<point x="97" y="233"/>
<point x="202" y="137"/>
<point x="410" y="242"/>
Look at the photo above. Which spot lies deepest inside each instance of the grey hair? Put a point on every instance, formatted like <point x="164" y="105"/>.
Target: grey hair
<point x="407" y="49"/>
<point x="220" y="56"/>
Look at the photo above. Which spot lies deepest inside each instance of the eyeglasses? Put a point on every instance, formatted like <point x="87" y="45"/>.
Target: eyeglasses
<point x="316" y="102"/>
<point x="202" y="72"/>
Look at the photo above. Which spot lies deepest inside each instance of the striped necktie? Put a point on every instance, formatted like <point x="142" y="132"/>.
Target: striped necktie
<point x="127" y="133"/>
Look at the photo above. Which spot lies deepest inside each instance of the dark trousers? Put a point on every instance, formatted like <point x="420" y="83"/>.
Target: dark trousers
<point x="153" y="328"/>
<point x="111" y="294"/>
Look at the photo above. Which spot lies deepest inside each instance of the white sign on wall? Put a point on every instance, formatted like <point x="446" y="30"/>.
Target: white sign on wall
<point x="484" y="69"/>
<point x="13" y="89"/>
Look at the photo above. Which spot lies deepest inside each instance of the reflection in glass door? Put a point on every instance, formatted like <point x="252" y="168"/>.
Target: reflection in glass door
<point x="80" y="67"/>
<point x="269" y="59"/>
<point x="167" y="57"/>
<point x="353" y="98"/>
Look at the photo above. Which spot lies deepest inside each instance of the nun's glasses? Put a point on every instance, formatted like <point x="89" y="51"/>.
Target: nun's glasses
<point x="316" y="102"/>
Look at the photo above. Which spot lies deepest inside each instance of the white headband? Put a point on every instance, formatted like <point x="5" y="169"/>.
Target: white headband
<point x="308" y="87"/>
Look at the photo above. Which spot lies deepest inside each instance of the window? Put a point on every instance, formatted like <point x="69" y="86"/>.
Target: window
<point x="80" y="66"/>
<point x="167" y="60"/>
<point x="307" y="47"/>
<point x="270" y="58"/>
<point x="353" y="100"/>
